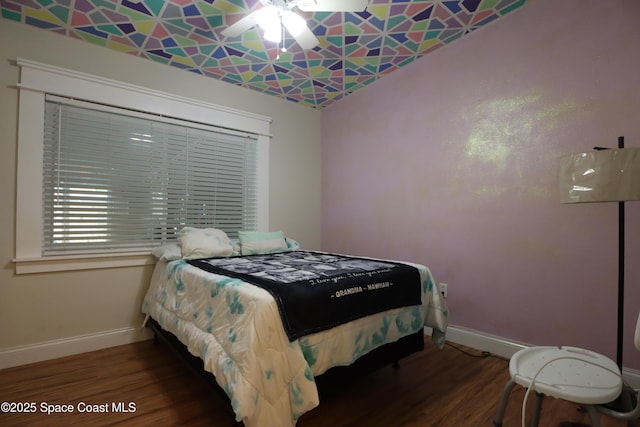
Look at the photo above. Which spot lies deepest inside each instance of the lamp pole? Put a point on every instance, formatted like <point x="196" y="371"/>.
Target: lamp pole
<point x="620" y="273"/>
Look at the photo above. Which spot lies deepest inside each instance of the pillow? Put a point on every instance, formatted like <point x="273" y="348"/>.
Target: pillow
<point x="293" y="245"/>
<point x="262" y="242"/>
<point x="204" y="243"/>
<point x="167" y="252"/>
<point x="235" y="244"/>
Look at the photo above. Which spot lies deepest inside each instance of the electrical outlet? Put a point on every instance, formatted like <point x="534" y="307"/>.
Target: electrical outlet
<point x="443" y="289"/>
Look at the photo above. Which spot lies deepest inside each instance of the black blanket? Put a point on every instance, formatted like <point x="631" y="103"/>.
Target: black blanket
<point x="316" y="291"/>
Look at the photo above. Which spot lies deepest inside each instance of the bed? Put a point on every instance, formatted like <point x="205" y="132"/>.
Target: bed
<point x="240" y="332"/>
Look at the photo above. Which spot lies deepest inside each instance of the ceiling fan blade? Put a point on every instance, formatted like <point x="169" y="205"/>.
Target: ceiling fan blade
<point x="240" y="26"/>
<point x="306" y="39"/>
<point x="332" y="5"/>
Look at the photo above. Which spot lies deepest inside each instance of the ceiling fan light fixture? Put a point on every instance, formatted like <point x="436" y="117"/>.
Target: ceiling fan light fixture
<point x="273" y="34"/>
<point x="294" y="23"/>
<point x="276" y="16"/>
<point x="268" y="18"/>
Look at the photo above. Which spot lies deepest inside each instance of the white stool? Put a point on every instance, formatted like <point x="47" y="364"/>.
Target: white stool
<point x="569" y="373"/>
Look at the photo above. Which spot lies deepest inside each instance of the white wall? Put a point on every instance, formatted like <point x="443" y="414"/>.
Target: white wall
<point x="39" y="313"/>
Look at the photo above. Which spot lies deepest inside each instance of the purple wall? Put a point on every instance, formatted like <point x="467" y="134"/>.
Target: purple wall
<point x="452" y="162"/>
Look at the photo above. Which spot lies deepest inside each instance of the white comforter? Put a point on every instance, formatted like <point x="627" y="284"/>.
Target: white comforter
<point x="235" y="328"/>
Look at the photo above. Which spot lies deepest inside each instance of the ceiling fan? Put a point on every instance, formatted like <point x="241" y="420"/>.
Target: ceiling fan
<point x="276" y="15"/>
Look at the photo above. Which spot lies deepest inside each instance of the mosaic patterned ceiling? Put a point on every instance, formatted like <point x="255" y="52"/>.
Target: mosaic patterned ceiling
<point x="355" y="49"/>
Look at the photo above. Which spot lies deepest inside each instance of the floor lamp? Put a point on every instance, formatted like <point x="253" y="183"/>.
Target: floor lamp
<point x="605" y="175"/>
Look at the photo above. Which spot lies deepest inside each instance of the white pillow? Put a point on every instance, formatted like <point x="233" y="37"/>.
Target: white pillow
<point x="262" y="242"/>
<point x="204" y="243"/>
<point x="167" y="252"/>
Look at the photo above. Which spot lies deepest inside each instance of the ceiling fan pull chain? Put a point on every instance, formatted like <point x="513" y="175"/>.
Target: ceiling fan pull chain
<point x="282" y="48"/>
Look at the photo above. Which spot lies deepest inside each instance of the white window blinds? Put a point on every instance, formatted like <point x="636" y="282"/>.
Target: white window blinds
<point x="117" y="180"/>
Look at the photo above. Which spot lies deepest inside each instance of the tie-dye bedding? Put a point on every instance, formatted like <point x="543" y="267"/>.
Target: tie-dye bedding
<point x="318" y="291"/>
<point x="235" y="328"/>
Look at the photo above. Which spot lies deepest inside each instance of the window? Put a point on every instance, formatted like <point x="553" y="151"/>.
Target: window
<point x="104" y="178"/>
<point x="120" y="180"/>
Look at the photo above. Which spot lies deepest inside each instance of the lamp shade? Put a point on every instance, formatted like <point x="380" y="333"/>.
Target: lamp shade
<point x="610" y="175"/>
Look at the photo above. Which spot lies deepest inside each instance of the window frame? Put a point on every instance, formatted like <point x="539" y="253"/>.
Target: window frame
<point x="39" y="79"/>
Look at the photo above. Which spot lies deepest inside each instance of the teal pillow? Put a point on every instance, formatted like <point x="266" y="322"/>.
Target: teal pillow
<point x="293" y="245"/>
<point x="262" y="242"/>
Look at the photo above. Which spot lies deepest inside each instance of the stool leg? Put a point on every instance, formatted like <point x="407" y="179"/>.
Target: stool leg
<point x="535" y="417"/>
<point x="593" y="414"/>
<point x="502" y="406"/>
<point x="627" y="397"/>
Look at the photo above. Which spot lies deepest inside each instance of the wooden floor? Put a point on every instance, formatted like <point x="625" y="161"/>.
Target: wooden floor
<point x="446" y="388"/>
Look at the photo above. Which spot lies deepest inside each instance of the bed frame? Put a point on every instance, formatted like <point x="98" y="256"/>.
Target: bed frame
<point x="388" y="354"/>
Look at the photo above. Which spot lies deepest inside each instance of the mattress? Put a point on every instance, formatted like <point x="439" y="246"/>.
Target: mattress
<point x="236" y="329"/>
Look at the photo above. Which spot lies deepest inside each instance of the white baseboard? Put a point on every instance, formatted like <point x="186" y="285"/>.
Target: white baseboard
<point x="484" y="342"/>
<point x="504" y="348"/>
<point x="39" y="352"/>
